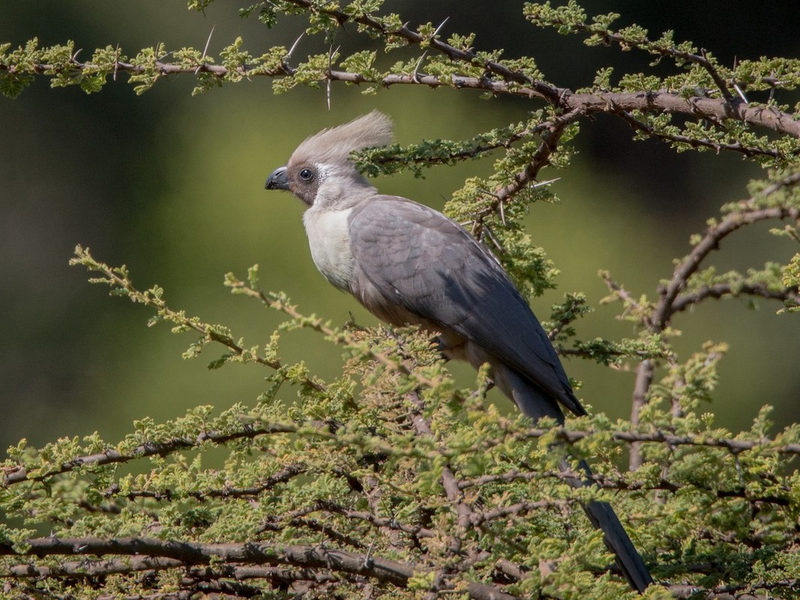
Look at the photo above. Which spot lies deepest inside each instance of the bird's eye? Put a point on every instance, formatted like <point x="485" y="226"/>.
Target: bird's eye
<point x="306" y="174"/>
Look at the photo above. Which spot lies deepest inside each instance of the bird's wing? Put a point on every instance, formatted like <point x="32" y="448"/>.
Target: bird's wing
<point x="430" y="265"/>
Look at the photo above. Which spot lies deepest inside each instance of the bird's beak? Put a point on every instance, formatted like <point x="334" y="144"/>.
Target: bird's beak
<point x="277" y="180"/>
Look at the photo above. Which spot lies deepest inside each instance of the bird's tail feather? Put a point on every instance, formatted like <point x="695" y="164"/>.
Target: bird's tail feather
<point x="617" y="541"/>
<point x="615" y="537"/>
<point x="537" y="404"/>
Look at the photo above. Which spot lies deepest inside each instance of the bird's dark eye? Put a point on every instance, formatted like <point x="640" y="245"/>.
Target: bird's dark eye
<point x="306" y="174"/>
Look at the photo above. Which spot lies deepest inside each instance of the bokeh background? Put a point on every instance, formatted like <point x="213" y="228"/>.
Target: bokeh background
<point x="172" y="186"/>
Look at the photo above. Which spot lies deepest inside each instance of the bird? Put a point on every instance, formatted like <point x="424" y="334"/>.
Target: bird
<point x="408" y="264"/>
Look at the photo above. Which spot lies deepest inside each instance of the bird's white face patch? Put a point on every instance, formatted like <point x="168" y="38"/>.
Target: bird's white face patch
<point x="322" y="172"/>
<point x="329" y="240"/>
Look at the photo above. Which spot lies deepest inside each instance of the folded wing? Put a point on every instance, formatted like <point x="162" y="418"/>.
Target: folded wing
<point x="430" y="265"/>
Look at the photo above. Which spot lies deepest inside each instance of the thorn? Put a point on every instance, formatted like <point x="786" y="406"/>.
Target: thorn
<point x="439" y="28"/>
<point x="501" y="205"/>
<point x="548" y="182"/>
<point x="297" y="41"/>
<point x="116" y="62"/>
<point x="160" y="58"/>
<point x="740" y="92"/>
<point x="496" y="243"/>
<point x="205" y="51"/>
<point x="368" y="562"/>
<point x="331" y="52"/>
<point x="328" y="92"/>
<point x="208" y="41"/>
<point x="415" y="76"/>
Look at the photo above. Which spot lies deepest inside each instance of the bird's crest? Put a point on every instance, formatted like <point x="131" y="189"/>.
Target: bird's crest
<point x="334" y="145"/>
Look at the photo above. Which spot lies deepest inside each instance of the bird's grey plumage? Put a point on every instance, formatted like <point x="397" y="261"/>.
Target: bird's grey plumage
<point x="420" y="259"/>
<point x="409" y="264"/>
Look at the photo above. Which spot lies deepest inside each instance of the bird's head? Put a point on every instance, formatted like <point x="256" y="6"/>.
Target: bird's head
<point x="320" y="171"/>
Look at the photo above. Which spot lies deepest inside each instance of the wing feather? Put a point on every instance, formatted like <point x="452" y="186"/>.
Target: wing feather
<point x="429" y="264"/>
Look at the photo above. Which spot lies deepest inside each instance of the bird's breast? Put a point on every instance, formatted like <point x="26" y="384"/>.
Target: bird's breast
<point x="329" y="240"/>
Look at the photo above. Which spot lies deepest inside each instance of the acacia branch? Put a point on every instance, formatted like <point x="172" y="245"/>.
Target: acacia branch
<point x="656" y="101"/>
<point x="120" y="283"/>
<point x="380" y="522"/>
<point x="734" y="592"/>
<point x="542" y="89"/>
<point x="747" y="151"/>
<point x="723" y="290"/>
<point x="170" y="554"/>
<point x="207" y="563"/>
<point x="147" y="449"/>
<point x="20" y="473"/>
<point x="711" y="241"/>
<point x="316" y="526"/>
<point x="679" y="55"/>
<point x="282" y="476"/>
<point x="630" y="437"/>
<point x="449" y="482"/>
<point x="192" y="553"/>
<point x="551" y="136"/>
<point x="671" y="300"/>
<point x="478" y="519"/>
<point x="334" y="335"/>
<point x="620" y="484"/>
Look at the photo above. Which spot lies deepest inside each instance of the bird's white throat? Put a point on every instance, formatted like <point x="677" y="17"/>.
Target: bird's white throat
<point x="329" y="240"/>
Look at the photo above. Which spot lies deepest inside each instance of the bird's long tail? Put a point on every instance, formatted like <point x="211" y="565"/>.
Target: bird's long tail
<point x="615" y="537"/>
<point x="537" y="404"/>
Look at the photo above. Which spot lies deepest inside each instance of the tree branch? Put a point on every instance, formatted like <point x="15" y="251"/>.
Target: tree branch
<point x="120" y="283"/>
<point x="282" y="476"/>
<point x="734" y="446"/>
<point x="449" y="482"/>
<point x="670" y="300"/>
<point x="747" y="151"/>
<point x="659" y="101"/>
<point x="617" y="483"/>
<point x="147" y="553"/>
<point x="722" y="290"/>
<point x="710" y="242"/>
<point x="147" y="449"/>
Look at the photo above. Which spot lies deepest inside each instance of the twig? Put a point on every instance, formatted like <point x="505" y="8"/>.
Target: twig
<point x="147" y="449"/>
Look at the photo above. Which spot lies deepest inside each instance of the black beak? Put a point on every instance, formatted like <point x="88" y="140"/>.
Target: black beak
<point x="277" y="180"/>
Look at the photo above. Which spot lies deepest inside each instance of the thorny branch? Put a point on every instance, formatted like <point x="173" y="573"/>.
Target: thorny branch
<point x="746" y="215"/>
<point x="120" y="284"/>
<point x="148" y="554"/>
<point x="672" y="299"/>
<point x="163" y="448"/>
<point x="449" y="481"/>
<point x="722" y="290"/>
<point x="147" y="449"/>
<point x="551" y="133"/>
<point x="710" y="109"/>
<point x="226" y="492"/>
<point x="694" y="142"/>
<point x="562" y="98"/>
<point x="610" y="483"/>
<point x="276" y="564"/>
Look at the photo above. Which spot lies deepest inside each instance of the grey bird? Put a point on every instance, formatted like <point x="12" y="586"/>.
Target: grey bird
<point x="409" y="264"/>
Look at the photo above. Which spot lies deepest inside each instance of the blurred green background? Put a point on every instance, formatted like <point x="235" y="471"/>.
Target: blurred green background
<point x="172" y="186"/>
